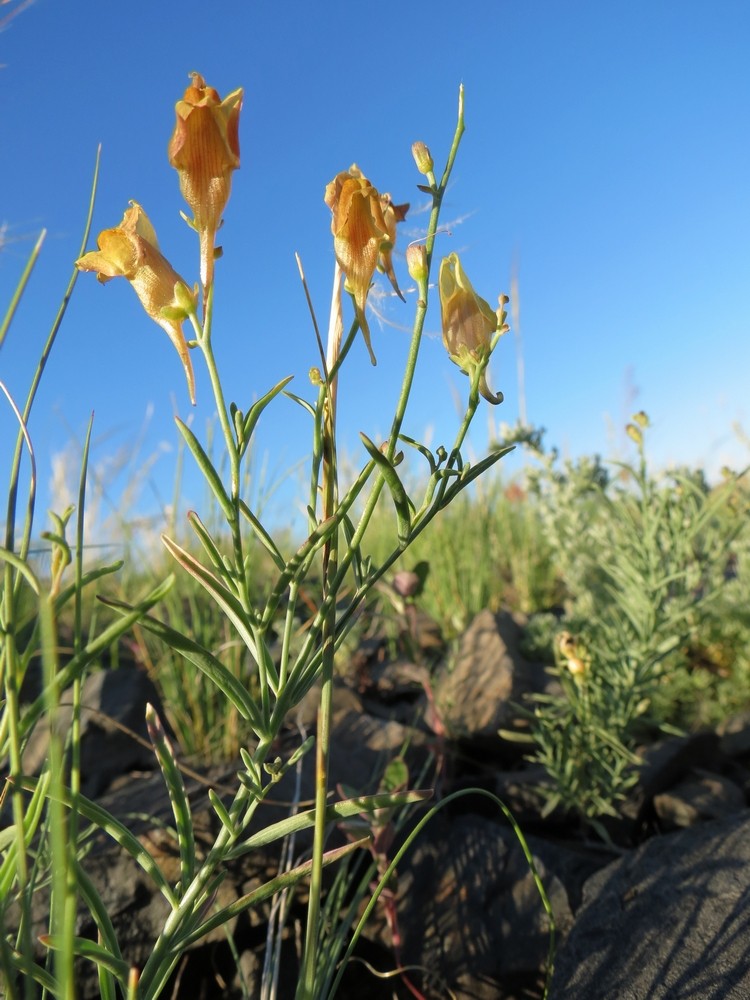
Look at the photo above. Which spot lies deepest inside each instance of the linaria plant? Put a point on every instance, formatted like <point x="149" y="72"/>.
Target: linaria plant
<point x="643" y="557"/>
<point x="49" y="809"/>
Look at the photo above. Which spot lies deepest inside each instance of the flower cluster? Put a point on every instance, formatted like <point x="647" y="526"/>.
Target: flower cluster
<point x="204" y="149"/>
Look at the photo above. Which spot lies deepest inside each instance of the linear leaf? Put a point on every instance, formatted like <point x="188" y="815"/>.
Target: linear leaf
<point x="257" y="408"/>
<point x="207" y="541"/>
<point x="117" y="831"/>
<point x="212" y="667"/>
<point x="402" y="503"/>
<point x="263" y="892"/>
<point x="206" y="466"/>
<point x="265" y="539"/>
<point x="23" y="568"/>
<point x="177" y="795"/>
<point x="335" y="811"/>
<point x="226" y="600"/>
<point x="93" y="951"/>
<point x="78" y="663"/>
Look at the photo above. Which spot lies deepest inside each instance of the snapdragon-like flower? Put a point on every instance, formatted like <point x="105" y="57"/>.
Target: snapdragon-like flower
<point x="131" y="251"/>
<point x="470" y="327"/>
<point x="364" y="231"/>
<point x="574" y="658"/>
<point x="205" y="149"/>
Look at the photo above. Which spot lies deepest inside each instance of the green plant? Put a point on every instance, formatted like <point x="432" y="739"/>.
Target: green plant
<point x="266" y="664"/>
<point x="643" y="558"/>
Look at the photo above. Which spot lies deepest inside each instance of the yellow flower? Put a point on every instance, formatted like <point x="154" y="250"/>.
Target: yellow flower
<point x="469" y="324"/>
<point x="360" y="232"/>
<point x="131" y="251"/>
<point x="574" y="658"/>
<point x="634" y="433"/>
<point x="205" y="149"/>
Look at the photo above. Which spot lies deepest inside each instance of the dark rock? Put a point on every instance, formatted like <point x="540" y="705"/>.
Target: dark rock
<point x="114" y="738"/>
<point x="734" y="735"/>
<point x="665" y="763"/>
<point x="672" y="920"/>
<point x="475" y="698"/>
<point x="698" y="797"/>
<point x="396" y="680"/>
<point x="470" y="912"/>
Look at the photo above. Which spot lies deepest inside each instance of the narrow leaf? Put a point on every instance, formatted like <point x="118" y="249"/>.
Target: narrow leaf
<point x="117" y="831"/>
<point x="206" y="540"/>
<point x="257" y="408"/>
<point x="177" y="795"/>
<point x="206" y="662"/>
<point x="98" y="911"/>
<point x="78" y="663"/>
<point x="91" y="950"/>
<point x="205" y="465"/>
<point x="261" y="533"/>
<point x="263" y="892"/>
<point x="473" y="473"/>
<point x="334" y="812"/>
<point x="401" y="501"/>
<point x="227" y="601"/>
<point x="301" y="402"/>
<point x="221" y="811"/>
<point x="22" y="567"/>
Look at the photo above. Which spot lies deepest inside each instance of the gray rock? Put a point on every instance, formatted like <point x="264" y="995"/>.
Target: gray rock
<point x="670" y="922"/>
<point x="113" y="728"/>
<point x="700" y="796"/>
<point x="475" y="697"/>
<point x="469" y="910"/>
<point x="665" y="763"/>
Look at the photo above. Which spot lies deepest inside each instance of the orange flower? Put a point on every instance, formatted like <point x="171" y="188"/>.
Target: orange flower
<point x="205" y="149"/>
<point x="131" y="251"/>
<point x="361" y="237"/>
<point x="469" y="324"/>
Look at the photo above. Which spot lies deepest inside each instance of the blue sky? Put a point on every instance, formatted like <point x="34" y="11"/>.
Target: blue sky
<point x="607" y="154"/>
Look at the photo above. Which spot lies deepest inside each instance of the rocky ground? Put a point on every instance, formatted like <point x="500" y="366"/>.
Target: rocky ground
<point x="661" y="912"/>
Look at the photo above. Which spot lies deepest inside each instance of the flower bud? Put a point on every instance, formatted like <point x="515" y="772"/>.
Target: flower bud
<point x="416" y="262"/>
<point x="422" y="158"/>
<point x="641" y="418"/>
<point x="131" y="251"/>
<point x="407" y="583"/>
<point x="573" y="655"/>
<point x="634" y="433"/>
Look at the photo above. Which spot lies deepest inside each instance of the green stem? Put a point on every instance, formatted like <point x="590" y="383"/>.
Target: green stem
<point x="204" y="341"/>
<point x="166" y="951"/>
<point x="306" y="986"/>
<point x="416" y="340"/>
